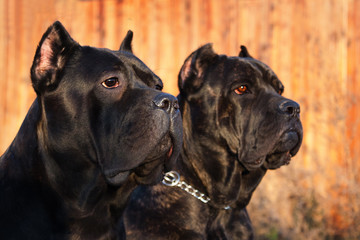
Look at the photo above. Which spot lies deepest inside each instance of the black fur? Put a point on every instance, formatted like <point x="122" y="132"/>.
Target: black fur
<point x="97" y="129"/>
<point x="236" y="126"/>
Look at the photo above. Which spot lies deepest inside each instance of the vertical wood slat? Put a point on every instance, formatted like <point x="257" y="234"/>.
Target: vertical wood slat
<point x="352" y="102"/>
<point x="315" y="53"/>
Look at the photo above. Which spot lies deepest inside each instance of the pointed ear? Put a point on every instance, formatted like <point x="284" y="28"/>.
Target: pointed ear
<point x="244" y="52"/>
<point x="126" y="43"/>
<point x="51" y="55"/>
<point x="191" y="75"/>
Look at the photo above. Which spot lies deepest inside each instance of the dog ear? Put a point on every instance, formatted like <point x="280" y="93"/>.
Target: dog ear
<point x="244" y="52"/>
<point x="191" y="77"/>
<point x="126" y="43"/>
<point x="53" y="51"/>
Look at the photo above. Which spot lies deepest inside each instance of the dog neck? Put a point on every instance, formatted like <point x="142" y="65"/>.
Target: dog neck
<point x="214" y="173"/>
<point x="219" y="176"/>
<point x="23" y="146"/>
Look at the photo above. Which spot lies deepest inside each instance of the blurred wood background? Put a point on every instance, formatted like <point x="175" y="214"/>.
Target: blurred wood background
<point x="313" y="46"/>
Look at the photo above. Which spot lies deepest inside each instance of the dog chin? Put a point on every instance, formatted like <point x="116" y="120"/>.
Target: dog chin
<point x="152" y="170"/>
<point x="118" y="178"/>
<point x="254" y="164"/>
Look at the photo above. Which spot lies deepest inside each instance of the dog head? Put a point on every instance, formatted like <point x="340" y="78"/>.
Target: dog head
<point x="237" y="104"/>
<point x="102" y="109"/>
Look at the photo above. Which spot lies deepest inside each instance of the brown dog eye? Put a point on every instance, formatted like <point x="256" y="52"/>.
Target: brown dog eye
<point x="241" y="90"/>
<point x="111" y="82"/>
<point x="281" y="90"/>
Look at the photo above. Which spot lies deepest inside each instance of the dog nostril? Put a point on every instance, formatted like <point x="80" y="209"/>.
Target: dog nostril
<point x="176" y="105"/>
<point x="166" y="102"/>
<point x="290" y="108"/>
<point x="163" y="103"/>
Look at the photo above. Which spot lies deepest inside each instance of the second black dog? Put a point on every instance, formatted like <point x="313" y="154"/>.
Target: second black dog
<point x="236" y="126"/>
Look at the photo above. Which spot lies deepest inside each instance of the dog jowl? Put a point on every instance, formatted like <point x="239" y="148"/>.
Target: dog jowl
<point x="237" y="125"/>
<point x="99" y="127"/>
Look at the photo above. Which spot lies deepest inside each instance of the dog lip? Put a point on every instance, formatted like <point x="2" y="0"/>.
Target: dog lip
<point x="116" y="177"/>
<point x="253" y="164"/>
<point x="112" y="173"/>
<point x="170" y="155"/>
<point x="294" y="151"/>
<point x="170" y="151"/>
<point x="296" y="148"/>
<point x="284" y="157"/>
<point x="176" y="136"/>
<point x="288" y="157"/>
<point x="291" y="142"/>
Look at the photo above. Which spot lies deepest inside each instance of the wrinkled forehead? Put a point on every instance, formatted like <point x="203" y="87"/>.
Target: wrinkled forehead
<point x="98" y="60"/>
<point x="141" y="70"/>
<point x="250" y="69"/>
<point x="244" y="67"/>
<point x="102" y="60"/>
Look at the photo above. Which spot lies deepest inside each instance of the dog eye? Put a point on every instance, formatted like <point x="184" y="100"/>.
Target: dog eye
<point x="111" y="83"/>
<point x="241" y="90"/>
<point x="280" y="90"/>
<point x="159" y="87"/>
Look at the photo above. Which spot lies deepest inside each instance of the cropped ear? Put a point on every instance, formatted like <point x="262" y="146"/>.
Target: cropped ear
<point x="126" y="43"/>
<point x="191" y="75"/>
<point x="244" y="52"/>
<point x="53" y="51"/>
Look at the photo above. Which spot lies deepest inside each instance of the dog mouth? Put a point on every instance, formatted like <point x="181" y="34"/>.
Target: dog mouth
<point x="287" y="147"/>
<point x="158" y="159"/>
<point x="164" y="156"/>
<point x="253" y="164"/>
<point x="276" y="160"/>
<point x="152" y="170"/>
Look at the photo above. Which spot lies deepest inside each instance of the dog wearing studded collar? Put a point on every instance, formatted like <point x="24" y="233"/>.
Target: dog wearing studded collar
<point x="237" y="125"/>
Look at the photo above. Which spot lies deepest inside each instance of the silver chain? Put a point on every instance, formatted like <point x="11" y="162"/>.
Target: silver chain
<point x="172" y="179"/>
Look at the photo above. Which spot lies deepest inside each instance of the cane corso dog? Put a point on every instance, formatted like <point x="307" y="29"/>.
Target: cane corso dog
<point x="99" y="127"/>
<point x="236" y="125"/>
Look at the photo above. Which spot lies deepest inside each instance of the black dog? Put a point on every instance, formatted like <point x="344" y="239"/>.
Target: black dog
<point x="236" y="126"/>
<point x="98" y="128"/>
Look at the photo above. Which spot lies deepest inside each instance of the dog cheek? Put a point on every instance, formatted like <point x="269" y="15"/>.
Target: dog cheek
<point x="229" y="135"/>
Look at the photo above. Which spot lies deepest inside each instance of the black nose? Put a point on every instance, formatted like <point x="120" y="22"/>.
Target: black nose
<point x="166" y="102"/>
<point x="290" y="108"/>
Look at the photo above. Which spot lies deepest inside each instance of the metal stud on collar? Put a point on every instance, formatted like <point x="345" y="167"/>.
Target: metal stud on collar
<point x="172" y="179"/>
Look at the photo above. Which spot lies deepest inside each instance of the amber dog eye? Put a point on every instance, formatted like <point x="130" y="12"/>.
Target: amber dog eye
<point x="111" y="82"/>
<point x="241" y="90"/>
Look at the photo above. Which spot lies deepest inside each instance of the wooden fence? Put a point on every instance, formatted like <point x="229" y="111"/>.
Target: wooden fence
<point x="313" y="46"/>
